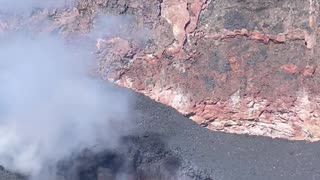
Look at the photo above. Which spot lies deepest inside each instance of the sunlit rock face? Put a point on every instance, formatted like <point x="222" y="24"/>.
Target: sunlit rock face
<point x="241" y="67"/>
<point x="247" y="67"/>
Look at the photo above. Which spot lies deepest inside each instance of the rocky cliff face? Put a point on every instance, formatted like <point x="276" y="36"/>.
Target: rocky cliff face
<point x="239" y="66"/>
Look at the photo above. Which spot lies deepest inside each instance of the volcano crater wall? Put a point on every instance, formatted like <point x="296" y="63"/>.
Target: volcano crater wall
<point x="238" y="66"/>
<point x="247" y="67"/>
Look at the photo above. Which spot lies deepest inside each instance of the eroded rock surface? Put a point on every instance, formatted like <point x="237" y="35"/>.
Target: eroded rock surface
<point x="248" y="67"/>
<point x="244" y="66"/>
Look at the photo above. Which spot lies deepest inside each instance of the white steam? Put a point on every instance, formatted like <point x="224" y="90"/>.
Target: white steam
<point x="24" y="6"/>
<point x="49" y="105"/>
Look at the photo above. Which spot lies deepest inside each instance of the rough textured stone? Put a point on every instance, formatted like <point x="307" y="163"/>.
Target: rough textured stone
<point x="245" y="66"/>
<point x="244" y="69"/>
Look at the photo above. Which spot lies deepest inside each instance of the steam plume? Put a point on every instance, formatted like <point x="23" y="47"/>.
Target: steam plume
<point x="50" y="106"/>
<point x="25" y="6"/>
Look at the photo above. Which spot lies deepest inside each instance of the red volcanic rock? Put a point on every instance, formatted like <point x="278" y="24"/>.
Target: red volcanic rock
<point x="177" y="15"/>
<point x="244" y="32"/>
<point x="195" y="7"/>
<point x="309" y="71"/>
<point x="230" y="69"/>
<point x="255" y="35"/>
<point x="118" y="46"/>
<point x="232" y="66"/>
<point x="297" y="34"/>
<point x="289" y="68"/>
<point x="279" y="38"/>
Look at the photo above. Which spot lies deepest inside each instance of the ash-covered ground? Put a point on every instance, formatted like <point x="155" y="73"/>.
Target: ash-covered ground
<point x="166" y="145"/>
